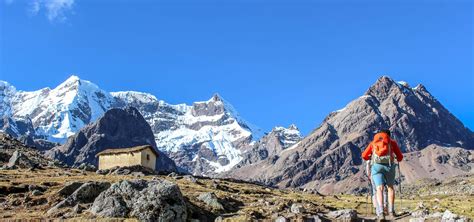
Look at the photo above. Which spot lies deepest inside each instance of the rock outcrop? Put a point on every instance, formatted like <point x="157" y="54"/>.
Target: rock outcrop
<point x="86" y="193"/>
<point x="118" y="128"/>
<point x="157" y="200"/>
<point x="14" y="154"/>
<point x="19" y="160"/>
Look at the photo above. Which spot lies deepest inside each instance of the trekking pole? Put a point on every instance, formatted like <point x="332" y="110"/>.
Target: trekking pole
<point x="371" y="195"/>
<point x="400" y="185"/>
<point x="369" y="185"/>
<point x="367" y="201"/>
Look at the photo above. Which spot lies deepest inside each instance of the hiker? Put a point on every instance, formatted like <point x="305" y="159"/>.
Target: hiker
<point x="381" y="152"/>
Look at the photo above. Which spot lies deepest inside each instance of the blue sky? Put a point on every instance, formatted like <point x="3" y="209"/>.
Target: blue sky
<point x="277" y="62"/>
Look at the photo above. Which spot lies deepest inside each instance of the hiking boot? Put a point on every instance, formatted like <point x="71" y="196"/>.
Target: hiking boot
<point x="392" y="215"/>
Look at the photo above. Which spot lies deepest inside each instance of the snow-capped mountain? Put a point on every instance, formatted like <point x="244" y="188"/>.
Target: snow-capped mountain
<point x="208" y="136"/>
<point x="60" y="112"/>
<point x="203" y="138"/>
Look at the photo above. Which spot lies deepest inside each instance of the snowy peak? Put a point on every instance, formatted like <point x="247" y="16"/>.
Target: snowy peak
<point x="293" y="127"/>
<point x="287" y="136"/>
<point x="134" y="97"/>
<point x="212" y="107"/>
<point x="216" y="98"/>
<point x="218" y="108"/>
<point x="62" y="111"/>
<point x="216" y="105"/>
<point x="71" y="79"/>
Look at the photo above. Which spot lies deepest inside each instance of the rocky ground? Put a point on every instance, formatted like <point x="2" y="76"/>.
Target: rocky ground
<point x="125" y="193"/>
<point x="33" y="187"/>
<point x="23" y="156"/>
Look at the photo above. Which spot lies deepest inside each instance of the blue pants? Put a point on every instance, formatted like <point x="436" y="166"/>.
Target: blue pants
<point x="383" y="174"/>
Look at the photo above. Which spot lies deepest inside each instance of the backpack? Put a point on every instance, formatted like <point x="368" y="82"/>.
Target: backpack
<point x="382" y="149"/>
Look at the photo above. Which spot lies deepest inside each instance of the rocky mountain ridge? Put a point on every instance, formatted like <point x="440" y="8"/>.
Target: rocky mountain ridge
<point x="329" y="159"/>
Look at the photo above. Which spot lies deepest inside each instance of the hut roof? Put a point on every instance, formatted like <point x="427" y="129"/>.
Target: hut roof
<point x="126" y="150"/>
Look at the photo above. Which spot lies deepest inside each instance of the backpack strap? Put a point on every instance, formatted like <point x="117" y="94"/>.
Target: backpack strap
<point x="390" y="152"/>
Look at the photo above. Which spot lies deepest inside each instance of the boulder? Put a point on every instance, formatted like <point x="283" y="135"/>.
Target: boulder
<point x="69" y="188"/>
<point x="157" y="200"/>
<point x="33" y="187"/>
<point x="87" y="167"/>
<point x="281" y="219"/>
<point x="86" y="193"/>
<point x="297" y="208"/>
<point x="211" y="200"/>
<point x="449" y="216"/>
<point x="190" y="179"/>
<point x="103" y="171"/>
<point x="343" y="215"/>
<point x="19" y="160"/>
<point x="420" y="213"/>
<point x="36" y="193"/>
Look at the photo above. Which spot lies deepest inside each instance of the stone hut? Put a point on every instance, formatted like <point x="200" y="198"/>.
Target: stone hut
<point x="140" y="155"/>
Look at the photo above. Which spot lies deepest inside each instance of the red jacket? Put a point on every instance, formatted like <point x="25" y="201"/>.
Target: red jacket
<point x="367" y="154"/>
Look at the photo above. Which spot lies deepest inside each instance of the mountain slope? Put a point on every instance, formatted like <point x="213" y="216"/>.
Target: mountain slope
<point x="117" y="128"/>
<point x="331" y="153"/>
<point x="270" y="146"/>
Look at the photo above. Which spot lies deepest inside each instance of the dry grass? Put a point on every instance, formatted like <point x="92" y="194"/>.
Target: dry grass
<point x="243" y="201"/>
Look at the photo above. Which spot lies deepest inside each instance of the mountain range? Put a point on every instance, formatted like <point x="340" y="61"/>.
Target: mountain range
<point x="203" y="138"/>
<point x="210" y="138"/>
